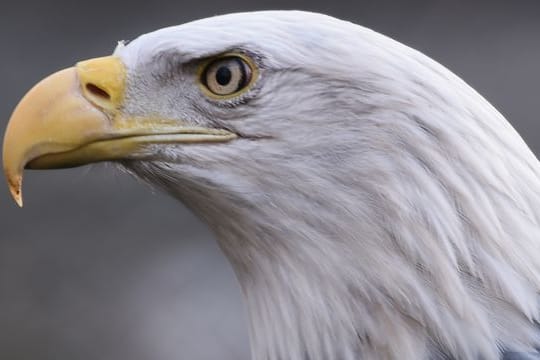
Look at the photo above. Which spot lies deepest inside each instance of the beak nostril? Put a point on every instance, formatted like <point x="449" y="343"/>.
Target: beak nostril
<point x="97" y="91"/>
<point x="102" y="82"/>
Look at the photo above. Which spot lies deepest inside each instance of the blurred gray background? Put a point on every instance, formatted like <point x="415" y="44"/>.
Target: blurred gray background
<point x="96" y="266"/>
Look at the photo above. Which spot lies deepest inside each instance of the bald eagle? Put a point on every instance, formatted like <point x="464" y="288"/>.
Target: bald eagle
<point x="372" y="204"/>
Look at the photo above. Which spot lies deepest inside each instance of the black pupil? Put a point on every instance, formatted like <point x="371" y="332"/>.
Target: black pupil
<point x="223" y="75"/>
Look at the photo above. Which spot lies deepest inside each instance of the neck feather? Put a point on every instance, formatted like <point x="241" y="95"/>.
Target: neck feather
<point x="414" y="236"/>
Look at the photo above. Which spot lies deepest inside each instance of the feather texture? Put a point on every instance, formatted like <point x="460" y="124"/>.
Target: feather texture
<point x="375" y="206"/>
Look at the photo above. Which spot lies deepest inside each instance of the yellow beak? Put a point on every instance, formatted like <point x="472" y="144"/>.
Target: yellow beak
<point x="74" y="117"/>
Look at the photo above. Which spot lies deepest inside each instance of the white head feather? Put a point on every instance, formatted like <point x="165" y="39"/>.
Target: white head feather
<point x="375" y="205"/>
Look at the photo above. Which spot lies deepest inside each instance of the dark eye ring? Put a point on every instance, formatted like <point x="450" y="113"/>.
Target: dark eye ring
<point x="227" y="75"/>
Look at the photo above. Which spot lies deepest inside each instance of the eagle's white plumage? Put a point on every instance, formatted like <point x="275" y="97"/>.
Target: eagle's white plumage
<point x="375" y="206"/>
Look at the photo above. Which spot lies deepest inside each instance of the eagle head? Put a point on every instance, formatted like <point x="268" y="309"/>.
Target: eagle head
<point x="372" y="204"/>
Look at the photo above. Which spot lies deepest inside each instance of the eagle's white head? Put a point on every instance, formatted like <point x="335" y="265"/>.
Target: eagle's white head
<point x="372" y="204"/>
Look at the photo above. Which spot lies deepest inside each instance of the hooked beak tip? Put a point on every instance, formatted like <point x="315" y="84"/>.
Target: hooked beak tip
<point x="15" y="188"/>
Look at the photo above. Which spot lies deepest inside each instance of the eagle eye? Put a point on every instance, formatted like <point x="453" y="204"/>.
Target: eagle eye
<point x="227" y="76"/>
